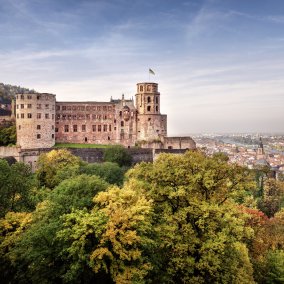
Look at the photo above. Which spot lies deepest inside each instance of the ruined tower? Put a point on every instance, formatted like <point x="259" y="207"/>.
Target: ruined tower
<point x="151" y="124"/>
<point x="35" y="120"/>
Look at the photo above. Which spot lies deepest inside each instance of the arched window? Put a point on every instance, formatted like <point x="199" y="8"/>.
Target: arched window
<point x="148" y="99"/>
<point x="148" y="108"/>
<point x="157" y="109"/>
<point x="148" y="88"/>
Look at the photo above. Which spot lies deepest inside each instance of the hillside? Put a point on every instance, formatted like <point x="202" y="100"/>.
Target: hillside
<point x="9" y="91"/>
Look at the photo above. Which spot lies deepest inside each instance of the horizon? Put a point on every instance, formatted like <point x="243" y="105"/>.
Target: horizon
<point x="219" y="64"/>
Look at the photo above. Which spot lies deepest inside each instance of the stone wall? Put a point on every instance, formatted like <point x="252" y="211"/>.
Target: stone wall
<point x="178" y="143"/>
<point x="10" y="152"/>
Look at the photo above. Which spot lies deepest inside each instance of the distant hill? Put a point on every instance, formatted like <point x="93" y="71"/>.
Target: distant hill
<point x="7" y="92"/>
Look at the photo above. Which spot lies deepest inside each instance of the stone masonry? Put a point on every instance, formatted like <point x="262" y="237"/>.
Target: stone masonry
<point x="41" y="121"/>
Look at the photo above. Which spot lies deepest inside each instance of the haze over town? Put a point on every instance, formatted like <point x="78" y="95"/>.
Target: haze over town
<point x="219" y="63"/>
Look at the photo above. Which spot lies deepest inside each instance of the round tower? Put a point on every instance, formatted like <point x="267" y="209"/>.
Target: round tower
<point x="35" y="120"/>
<point x="148" y="98"/>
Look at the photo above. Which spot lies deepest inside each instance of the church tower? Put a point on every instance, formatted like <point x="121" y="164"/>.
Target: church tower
<point x="260" y="150"/>
<point x="151" y="124"/>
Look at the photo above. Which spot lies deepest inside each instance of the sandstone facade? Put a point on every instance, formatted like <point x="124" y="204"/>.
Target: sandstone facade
<point x="41" y="121"/>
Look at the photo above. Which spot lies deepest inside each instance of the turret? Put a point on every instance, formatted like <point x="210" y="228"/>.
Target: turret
<point x="148" y="98"/>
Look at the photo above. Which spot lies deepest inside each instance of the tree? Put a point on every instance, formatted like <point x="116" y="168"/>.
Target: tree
<point x="272" y="198"/>
<point x="16" y="188"/>
<point x="110" y="172"/>
<point x="39" y="255"/>
<point x="118" y="154"/>
<point x="11" y="228"/>
<point x="8" y="135"/>
<point x="275" y="267"/>
<point x="55" y="166"/>
<point x="197" y="224"/>
<point x="115" y="238"/>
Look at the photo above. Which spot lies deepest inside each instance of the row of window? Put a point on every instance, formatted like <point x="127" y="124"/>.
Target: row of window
<point x="29" y="97"/>
<point x="38" y="106"/>
<point x="83" y="108"/>
<point x="83" y="116"/>
<point x="38" y="115"/>
<point x="38" y="127"/>
<point x="148" y="88"/>
<point x="95" y="128"/>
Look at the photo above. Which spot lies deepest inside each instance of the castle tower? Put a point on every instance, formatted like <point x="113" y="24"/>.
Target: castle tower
<point x="148" y="98"/>
<point x="151" y="124"/>
<point x="35" y="120"/>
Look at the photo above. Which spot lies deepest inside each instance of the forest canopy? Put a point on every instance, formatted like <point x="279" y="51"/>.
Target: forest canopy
<point x="182" y="219"/>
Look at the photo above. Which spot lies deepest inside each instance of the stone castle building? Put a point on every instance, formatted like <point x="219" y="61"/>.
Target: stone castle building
<point x="41" y="121"/>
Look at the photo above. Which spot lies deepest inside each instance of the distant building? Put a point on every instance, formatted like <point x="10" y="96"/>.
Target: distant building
<point x="41" y="121"/>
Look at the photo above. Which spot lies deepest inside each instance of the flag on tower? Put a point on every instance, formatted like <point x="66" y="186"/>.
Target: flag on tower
<point x="151" y="71"/>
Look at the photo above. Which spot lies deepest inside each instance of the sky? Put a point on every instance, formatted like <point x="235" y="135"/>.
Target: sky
<point x="219" y="63"/>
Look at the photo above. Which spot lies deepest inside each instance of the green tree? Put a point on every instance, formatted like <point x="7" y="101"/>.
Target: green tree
<point x="118" y="154"/>
<point x="272" y="198"/>
<point x="275" y="267"/>
<point x="39" y="255"/>
<point x="197" y="223"/>
<point x="11" y="228"/>
<point x="8" y="135"/>
<point x="108" y="171"/>
<point x="116" y="237"/>
<point x="16" y="188"/>
<point x="55" y="166"/>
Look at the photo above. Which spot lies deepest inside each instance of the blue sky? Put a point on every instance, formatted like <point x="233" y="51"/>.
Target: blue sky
<point x="219" y="63"/>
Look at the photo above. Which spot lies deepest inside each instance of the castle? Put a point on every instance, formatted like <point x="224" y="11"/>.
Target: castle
<point x="41" y="121"/>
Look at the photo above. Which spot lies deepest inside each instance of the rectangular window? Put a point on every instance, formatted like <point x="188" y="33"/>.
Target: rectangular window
<point x="19" y="127"/>
<point x="47" y="106"/>
<point x="94" y="128"/>
<point x="69" y="107"/>
<point x="109" y="127"/>
<point x="29" y="97"/>
<point x="22" y="105"/>
<point x="38" y="106"/>
<point x="38" y="136"/>
<point x="52" y="116"/>
<point x="47" y="115"/>
<point x="22" y="97"/>
<point x="63" y="107"/>
<point x="105" y="128"/>
<point x="22" y="115"/>
<point x="56" y="129"/>
<point x="38" y="127"/>
<point x="52" y="127"/>
<point x="17" y="106"/>
<point x="99" y="128"/>
<point x="29" y="115"/>
<point x="52" y="136"/>
<point x="75" y="129"/>
<point x="29" y="105"/>
<point x="37" y="97"/>
<point x="57" y="107"/>
<point x="83" y="128"/>
<point x="66" y="128"/>
<point x="17" y="115"/>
